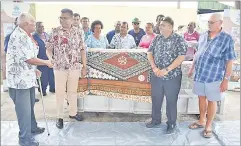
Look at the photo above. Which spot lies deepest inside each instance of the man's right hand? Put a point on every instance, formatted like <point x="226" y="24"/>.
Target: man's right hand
<point x="49" y="63"/>
<point x="156" y="71"/>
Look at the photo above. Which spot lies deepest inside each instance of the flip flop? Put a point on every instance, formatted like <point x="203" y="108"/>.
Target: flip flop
<point x="195" y="125"/>
<point x="207" y="133"/>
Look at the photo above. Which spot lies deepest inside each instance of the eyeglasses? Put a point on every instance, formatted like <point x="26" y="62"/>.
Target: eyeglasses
<point x="212" y="22"/>
<point x="64" y="18"/>
<point x="136" y="23"/>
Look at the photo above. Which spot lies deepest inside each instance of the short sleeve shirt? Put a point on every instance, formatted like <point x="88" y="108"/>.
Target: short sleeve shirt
<point x="20" y="74"/>
<point x="92" y="42"/>
<point x="137" y="36"/>
<point x="166" y="50"/>
<point x="119" y="42"/>
<point x="212" y="56"/>
<point x="66" y="47"/>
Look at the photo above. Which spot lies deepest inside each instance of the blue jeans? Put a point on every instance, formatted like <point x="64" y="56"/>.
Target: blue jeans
<point x="47" y="78"/>
<point x="24" y="100"/>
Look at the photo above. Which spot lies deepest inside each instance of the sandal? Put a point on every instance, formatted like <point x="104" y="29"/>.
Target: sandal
<point x="207" y="133"/>
<point x="195" y="125"/>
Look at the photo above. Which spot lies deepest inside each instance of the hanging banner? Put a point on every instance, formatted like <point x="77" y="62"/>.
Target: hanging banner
<point x="9" y="12"/>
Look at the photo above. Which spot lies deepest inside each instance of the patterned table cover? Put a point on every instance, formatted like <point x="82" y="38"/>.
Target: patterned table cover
<point x="123" y="74"/>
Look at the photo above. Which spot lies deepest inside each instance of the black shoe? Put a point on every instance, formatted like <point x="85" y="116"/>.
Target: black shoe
<point x="32" y="142"/>
<point x="153" y="124"/>
<point x="77" y="117"/>
<point x="171" y="129"/>
<point x="60" y="123"/>
<point x="44" y="94"/>
<point x="38" y="130"/>
<point x="36" y="100"/>
<point x="52" y="91"/>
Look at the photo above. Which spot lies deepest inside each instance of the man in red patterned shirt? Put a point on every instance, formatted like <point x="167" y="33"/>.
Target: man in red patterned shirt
<point x="192" y="37"/>
<point x="67" y="49"/>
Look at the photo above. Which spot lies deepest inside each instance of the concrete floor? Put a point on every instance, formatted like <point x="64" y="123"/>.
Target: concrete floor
<point x="231" y="111"/>
<point x="125" y="133"/>
<point x="121" y="128"/>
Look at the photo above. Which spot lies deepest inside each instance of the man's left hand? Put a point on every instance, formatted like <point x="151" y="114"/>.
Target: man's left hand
<point x="224" y="85"/>
<point x="38" y="73"/>
<point x="162" y="73"/>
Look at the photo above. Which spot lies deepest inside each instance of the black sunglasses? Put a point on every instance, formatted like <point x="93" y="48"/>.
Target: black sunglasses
<point x="136" y="23"/>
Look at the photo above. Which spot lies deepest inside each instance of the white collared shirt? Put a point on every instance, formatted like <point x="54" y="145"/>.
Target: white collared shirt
<point x="20" y="74"/>
<point x="126" y="42"/>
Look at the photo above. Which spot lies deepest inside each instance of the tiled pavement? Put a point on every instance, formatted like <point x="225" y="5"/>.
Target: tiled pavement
<point x="124" y="133"/>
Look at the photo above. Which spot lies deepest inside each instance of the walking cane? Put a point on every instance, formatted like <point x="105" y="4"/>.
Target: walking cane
<point x="41" y="92"/>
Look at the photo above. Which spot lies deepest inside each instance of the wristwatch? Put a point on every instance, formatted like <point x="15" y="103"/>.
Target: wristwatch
<point x="167" y="69"/>
<point x="227" y="78"/>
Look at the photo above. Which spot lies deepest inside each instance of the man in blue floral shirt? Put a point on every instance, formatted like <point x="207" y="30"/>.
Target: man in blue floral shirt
<point x="166" y="54"/>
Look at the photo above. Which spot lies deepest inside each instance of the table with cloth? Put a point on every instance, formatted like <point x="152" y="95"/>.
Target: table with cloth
<point x="125" y="74"/>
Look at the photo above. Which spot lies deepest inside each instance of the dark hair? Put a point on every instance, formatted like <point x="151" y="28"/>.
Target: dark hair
<point x="194" y="24"/>
<point x="38" y="23"/>
<point x="76" y="15"/>
<point x="123" y="23"/>
<point x="67" y="11"/>
<point x="149" y="23"/>
<point x="168" y="20"/>
<point x="180" y="27"/>
<point x="96" y="22"/>
<point x="85" y="18"/>
<point x="159" y="16"/>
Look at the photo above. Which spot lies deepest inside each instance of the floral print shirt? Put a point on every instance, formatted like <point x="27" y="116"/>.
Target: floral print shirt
<point x="166" y="50"/>
<point x="66" y="47"/>
<point x="21" y="47"/>
<point x="92" y="42"/>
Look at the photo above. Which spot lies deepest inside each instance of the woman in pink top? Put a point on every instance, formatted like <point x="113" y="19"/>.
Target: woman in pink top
<point x="147" y="39"/>
<point x="192" y="37"/>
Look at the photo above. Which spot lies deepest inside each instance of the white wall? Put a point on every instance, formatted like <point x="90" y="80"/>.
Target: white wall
<point x="109" y="13"/>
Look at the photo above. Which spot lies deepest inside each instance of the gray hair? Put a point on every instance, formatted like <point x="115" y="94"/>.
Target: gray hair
<point x="217" y="16"/>
<point x="25" y="17"/>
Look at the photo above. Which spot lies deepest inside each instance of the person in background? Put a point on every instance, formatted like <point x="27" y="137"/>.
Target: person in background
<point x="22" y="73"/>
<point x="192" y="37"/>
<point x="166" y="54"/>
<point x="6" y="40"/>
<point x="96" y="40"/>
<point x="213" y="67"/>
<point x="137" y="32"/>
<point x="85" y="24"/>
<point x="110" y="34"/>
<point x="148" y="38"/>
<point x="156" y="29"/>
<point x="66" y="49"/>
<point x="123" y="40"/>
<point x="77" y="19"/>
<point x="47" y="76"/>
<point x="180" y="30"/>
